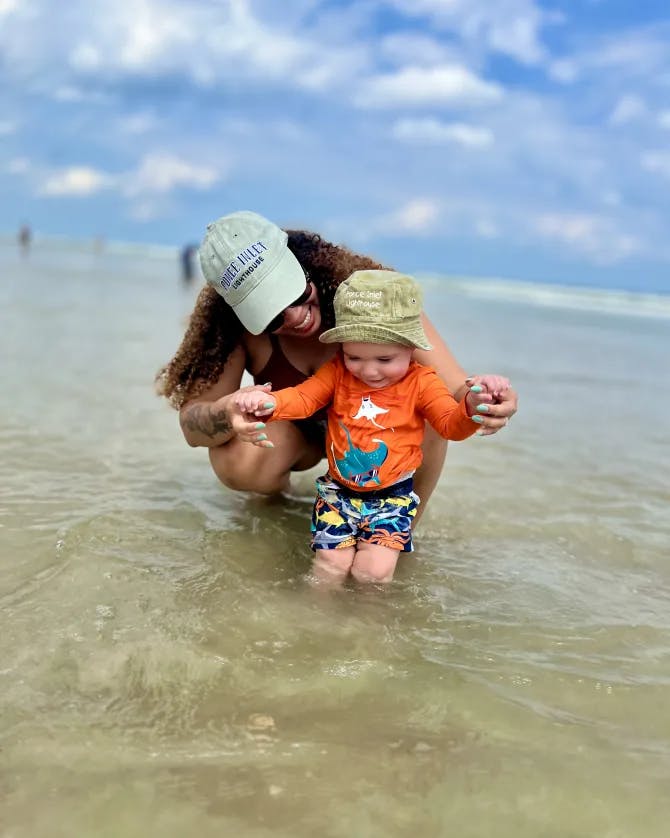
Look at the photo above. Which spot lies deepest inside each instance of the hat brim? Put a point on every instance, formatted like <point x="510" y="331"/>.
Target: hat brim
<point x="277" y="290"/>
<point x="374" y="333"/>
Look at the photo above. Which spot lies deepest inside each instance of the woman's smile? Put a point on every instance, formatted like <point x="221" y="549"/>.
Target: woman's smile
<point x="304" y="320"/>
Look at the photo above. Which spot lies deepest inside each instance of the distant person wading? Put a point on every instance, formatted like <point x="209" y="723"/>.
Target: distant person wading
<point x="25" y="238"/>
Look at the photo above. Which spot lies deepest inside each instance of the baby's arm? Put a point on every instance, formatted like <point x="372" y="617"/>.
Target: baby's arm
<point x="297" y="402"/>
<point x="452" y="419"/>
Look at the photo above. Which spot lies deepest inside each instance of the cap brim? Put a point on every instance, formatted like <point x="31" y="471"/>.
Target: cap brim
<point x="374" y="333"/>
<point x="279" y="288"/>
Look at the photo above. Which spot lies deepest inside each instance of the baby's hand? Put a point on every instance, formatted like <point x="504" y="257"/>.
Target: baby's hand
<point x="496" y="385"/>
<point x="255" y="402"/>
<point x="486" y="391"/>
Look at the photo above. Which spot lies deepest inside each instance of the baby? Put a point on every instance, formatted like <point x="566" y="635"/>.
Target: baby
<point x="378" y="401"/>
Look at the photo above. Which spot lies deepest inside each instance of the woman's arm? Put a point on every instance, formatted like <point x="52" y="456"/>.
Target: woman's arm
<point x="447" y="367"/>
<point x="454" y="376"/>
<point x="210" y="419"/>
<point x="441" y="359"/>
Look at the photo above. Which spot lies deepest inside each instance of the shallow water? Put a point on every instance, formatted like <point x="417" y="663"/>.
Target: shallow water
<point x="164" y="666"/>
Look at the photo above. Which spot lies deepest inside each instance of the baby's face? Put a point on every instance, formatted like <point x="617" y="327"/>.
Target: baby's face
<point x="377" y="364"/>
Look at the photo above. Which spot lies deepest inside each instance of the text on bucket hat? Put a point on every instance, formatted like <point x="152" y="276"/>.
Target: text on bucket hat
<point x="378" y="307"/>
<point x="246" y="259"/>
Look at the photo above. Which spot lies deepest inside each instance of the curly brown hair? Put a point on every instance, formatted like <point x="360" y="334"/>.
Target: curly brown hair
<point x="214" y="330"/>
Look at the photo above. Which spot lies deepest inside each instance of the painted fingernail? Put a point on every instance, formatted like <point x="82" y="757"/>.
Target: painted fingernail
<point x="478" y="419"/>
<point x="259" y="426"/>
<point x="483" y="408"/>
<point x="268" y="405"/>
<point x="267" y="384"/>
<point x="261" y="437"/>
<point x="267" y="444"/>
<point x="476" y="389"/>
<point x="481" y="433"/>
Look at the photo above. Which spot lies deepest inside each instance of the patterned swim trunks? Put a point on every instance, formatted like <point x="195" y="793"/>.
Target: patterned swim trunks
<point x="340" y="519"/>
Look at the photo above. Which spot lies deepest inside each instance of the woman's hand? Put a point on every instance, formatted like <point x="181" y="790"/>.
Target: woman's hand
<point x="249" y="404"/>
<point x="496" y="401"/>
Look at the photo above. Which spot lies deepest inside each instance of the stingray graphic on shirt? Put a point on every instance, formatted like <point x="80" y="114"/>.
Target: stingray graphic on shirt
<point x="358" y="466"/>
<point x="369" y="410"/>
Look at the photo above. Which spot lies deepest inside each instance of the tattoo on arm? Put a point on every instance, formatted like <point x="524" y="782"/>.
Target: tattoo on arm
<point x="202" y="419"/>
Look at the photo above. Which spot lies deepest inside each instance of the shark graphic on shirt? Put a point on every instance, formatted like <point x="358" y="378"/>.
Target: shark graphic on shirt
<point x="358" y="466"/>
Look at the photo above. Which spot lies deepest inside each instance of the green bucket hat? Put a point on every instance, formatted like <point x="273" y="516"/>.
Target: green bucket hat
<point x="378" y="307"/>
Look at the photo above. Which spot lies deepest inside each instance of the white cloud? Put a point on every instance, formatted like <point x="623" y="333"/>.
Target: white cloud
<point x="158" y="173"/>
<point x="564" y="70"/>
<point x="594" y="236"/>
<point x="611" y="198"/>
<point x="161" y="172"/>
<point x="416" y="217"/>
<point x="517" y="35"/>
<point x="510" y="27"/>
<point x="437" y="132"/>
<point x="629" y="55"/>
<point x="423" y="49"/>
<point x="18" y="166"/>
<point x="634" y="52"/>
<point x="86" y="57"/>
<point x="137" y="124"/>
<point x="146" y="210"/>
<point x="211" y="44"/>
<point x="486" y="229"/>
<point x="153" y="31"/>
<point x="664" y="119"/>
<point x="75" y="181"/>
<point x="657" y="162"/>
<point x="627" y="109"/>
<point x="446" y="84"/>
<point x="76" y="95"/>
<point x="68" y="93"/>
<point x="7" y="127"/>
<point x="8" y="6"/>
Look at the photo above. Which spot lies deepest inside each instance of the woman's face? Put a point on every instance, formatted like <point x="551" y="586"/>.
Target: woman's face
<point x="304" y="320"/>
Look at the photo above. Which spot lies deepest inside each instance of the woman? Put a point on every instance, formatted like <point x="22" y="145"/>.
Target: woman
<point x="269" y="295"/>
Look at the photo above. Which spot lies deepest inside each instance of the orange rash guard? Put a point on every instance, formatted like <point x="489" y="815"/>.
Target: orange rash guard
<point x="374" y="436"/>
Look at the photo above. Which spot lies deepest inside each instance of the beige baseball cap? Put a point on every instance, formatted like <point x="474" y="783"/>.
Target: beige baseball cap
<point x="246" y="259"/>
<point x="378" y="307"/>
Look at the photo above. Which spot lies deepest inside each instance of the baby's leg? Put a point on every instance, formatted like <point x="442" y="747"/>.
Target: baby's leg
<point x="374" y="563"/>
<point x="333" y="565"/>
<point x="333" y="534"/>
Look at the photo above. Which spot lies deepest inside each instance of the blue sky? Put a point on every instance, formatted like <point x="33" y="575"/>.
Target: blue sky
<point x="514" y="138"/>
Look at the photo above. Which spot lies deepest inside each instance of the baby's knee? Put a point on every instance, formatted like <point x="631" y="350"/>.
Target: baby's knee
<point x="374" y="563"/>
<point x="334" y="562"/>
<point x="375" y="575"/>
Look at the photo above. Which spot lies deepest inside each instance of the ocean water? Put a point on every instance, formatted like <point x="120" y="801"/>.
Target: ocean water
<point x="165" y="668"/>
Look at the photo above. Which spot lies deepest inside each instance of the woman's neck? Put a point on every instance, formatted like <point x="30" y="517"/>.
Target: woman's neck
<point x="306" y="354"/>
